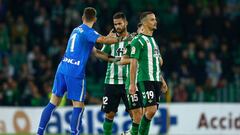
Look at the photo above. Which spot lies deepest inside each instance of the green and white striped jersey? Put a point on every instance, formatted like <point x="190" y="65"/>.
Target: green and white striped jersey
<point x="145" y="49"/>
<point x="116" y="74"/>
<point x="127" y="52"/>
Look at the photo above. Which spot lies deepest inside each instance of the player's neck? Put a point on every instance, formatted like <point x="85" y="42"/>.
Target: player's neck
<point x="123" y="34"/>
<point x="89" y="24"/>
<point x="147" y="32"/>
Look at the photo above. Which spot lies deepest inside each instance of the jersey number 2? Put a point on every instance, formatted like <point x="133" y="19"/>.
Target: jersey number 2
<point x="72" y="38"/>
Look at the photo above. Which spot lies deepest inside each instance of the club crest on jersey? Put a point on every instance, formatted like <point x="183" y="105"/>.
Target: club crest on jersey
<point x="133" y="50"/>
<point x="120" y="51"/>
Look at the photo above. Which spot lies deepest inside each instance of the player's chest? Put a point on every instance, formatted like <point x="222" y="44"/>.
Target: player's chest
<point x="118" y="49"/>
<point x="151" y="49"/>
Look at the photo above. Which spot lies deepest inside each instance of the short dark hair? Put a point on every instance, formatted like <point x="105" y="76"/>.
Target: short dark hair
<point x="90" y="13"/>
<point x="144" y="14"/>
<point x="119" y="15"/>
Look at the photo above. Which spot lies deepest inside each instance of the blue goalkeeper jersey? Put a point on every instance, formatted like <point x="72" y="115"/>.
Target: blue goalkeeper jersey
<point x="79" y="47"/>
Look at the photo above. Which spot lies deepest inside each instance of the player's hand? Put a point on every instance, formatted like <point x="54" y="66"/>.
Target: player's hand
<point x="132" y="89"/>
<point x="164" y="87"/>
<point x="112" y="34"/>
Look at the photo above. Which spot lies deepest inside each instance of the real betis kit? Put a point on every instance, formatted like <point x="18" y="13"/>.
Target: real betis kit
<point x="145" y="50"/>
<point x="114" y="89"/>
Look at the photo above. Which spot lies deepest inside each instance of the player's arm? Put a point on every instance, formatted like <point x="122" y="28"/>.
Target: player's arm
<point x="136" y="47"/>
<point x="111" y="38"/>
<point x="124" y="60"/>
<point x="164" y="87"/>
<point x="94" y="37"/>
<point x="108" y="40"/>
<point x="161" y="61"/>
<point x="103" y="56"/>
<point x="133" y="69"/>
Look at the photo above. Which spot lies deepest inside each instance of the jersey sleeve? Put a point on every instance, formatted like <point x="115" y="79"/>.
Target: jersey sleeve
<point x="136" y="47"/>
<point x="92" y="36"/>
<point x="106" y="49"/>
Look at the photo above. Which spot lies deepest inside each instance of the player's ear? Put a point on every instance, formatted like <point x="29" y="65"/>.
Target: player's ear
<point x="95" y="19"/>
<point x="83" y="18"/>
<point x="126" y="22"/>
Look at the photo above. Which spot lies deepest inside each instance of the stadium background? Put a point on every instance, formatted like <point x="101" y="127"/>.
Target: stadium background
<point x="198" y="40"/>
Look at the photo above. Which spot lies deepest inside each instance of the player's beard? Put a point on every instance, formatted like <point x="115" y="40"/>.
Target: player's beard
<point x="120" y="31"/>
<point x="154" y="27"/>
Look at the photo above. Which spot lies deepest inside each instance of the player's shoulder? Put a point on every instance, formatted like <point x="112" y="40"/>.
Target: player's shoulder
<point x="84" y="29"/>
<point x="137" y="39"/>
<point x="91" y="32"/>
<point x="138" y="36"/>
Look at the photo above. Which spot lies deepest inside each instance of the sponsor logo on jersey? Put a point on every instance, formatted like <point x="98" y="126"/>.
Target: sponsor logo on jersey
<point x="71" y="61"/>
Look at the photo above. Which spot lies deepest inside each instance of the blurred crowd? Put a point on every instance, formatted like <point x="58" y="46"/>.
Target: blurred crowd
<point x="199" y="42"/>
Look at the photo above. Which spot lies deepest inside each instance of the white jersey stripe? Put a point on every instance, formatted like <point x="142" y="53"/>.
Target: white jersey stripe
<point x="140" y="42"/>
<point x="111" y="81"/>
<point x="120" y="67"/>
<point x="150" y="58"/>
<point x="157" y="61"/>
<point x="82" y="91"/>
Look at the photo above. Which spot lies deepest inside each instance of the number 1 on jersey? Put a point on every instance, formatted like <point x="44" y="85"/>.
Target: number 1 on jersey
<point x="72" y="38"/>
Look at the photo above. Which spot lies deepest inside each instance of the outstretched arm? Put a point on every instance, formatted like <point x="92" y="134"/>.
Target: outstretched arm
<point x="124" y="60"/>
<point x="108" y="40"/>
<point x="111" y="38"/>
<point x="103" y="56"/>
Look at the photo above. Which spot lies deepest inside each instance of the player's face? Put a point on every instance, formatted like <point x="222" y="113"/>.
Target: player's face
<point x="120" y="25"/>
<point x="151" y="22"/>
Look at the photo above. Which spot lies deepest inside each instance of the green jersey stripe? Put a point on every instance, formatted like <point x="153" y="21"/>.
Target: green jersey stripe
<point x="116" y="74"/>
